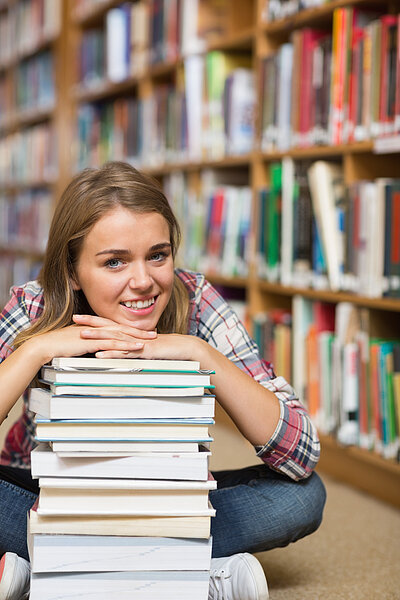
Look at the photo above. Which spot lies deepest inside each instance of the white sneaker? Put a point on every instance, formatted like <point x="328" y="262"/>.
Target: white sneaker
<point x="237" y="577"/>
<point x="14" y="577"/>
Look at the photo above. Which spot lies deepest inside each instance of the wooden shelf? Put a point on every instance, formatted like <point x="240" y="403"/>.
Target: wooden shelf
<point x="12" y="188"/>
<point x="103" y="89"/>
<point x="33" y="254"/>
<point x="242" y="40"/>
<point x="233" y="282"/>
<point x="91" y="15"/>
<point x="228" y="161"/>
<point x="311" y="16"/>
<point x="26" y="118"/>
<point x="390" y="304"/>
<point x="321" y="151"/>
<point x="362" y="469"/>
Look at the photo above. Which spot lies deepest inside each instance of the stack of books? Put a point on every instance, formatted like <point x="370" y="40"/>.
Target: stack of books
<point x="122" y="463"/>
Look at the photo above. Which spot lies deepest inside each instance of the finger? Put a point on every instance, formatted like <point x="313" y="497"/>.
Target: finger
<point x="119" y="353"/>
<point x="92" y="320"/>
<point x="118" y="332"/>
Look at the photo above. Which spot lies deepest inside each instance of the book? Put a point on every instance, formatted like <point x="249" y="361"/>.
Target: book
<point x="327" y="193"/>
<point x="93" y="553"/>
<point x="146" y="585"/>
<point x="80" y="496"/>
<point x="125" y="377"/>
<point x="124" y="526"/>
<point x="122" y="429"/>
<point x="79" y="362"/>
<point x="51" y="406"/>
<point x="141" y="465"/>
<point x="113" y="448"/>
<point x="131" y="391"/>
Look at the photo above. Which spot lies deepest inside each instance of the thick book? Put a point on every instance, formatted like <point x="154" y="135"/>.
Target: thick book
<point x="113" y="448"/>
<point x="48" y="430"/>
<point x="90" y="553"/>
<point x="83" y="389"/>
<point x="51" y="406"/>
<point x="142" y="465"/>
<point x="122" y="376"/>
<point x="133" y="525"/>
<point x="79" y="362"/>
<point x="146" y="585"/>
<point x="75" y="496"/>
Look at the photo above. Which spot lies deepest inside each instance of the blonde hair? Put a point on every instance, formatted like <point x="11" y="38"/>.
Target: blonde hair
<point x="89" y="196"/>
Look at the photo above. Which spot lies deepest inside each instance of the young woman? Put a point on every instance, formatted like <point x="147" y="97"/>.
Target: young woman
<point x="109" y="288"/>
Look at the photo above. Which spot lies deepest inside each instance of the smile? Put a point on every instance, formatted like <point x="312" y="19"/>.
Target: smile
<point x="138" y="304"/>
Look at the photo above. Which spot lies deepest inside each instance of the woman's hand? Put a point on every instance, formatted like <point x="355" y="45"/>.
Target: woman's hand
<point x="125" y="341"/>
<point x="89" y="335"/>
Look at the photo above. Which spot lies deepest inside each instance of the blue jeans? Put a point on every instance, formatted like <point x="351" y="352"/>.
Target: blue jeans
<point x="17" y="495"/>
<point x="257" y="509"/>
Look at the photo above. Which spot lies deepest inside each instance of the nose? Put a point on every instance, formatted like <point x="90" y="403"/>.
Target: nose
<point x="140" y="278"/>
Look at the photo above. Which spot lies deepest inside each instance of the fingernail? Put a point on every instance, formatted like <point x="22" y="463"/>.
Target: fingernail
<point x="152" y="333"/>
<point x="139" y="345"/>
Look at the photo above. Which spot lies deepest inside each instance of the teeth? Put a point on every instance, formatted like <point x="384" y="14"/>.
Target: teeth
<point x="139" y="303"/>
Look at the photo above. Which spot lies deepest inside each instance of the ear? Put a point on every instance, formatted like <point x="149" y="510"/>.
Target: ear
<point x="75" y="284"/>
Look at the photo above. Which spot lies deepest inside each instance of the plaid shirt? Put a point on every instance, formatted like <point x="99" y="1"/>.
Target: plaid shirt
<point x="293" y="448"/>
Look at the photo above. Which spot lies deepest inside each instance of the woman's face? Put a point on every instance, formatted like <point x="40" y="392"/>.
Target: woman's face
<point x="125" y="268"/>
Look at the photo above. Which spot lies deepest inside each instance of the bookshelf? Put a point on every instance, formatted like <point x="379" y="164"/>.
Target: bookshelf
<point x="157" y="79"/>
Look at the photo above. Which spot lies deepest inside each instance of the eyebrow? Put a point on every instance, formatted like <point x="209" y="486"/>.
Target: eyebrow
<point x="125" y="252"/>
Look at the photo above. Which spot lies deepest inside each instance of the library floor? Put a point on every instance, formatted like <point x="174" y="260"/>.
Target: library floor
<point x="355" y="554"/>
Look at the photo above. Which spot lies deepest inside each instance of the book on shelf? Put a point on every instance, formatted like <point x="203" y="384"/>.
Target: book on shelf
<point x="124" y="376"/>
<point x="121" y="497"/>
<point x="43" y="402"/>
<point x="46" y="462"/>
<point x="90" y="553"/>
<point x="124" y="526"/>
<point x="327" y="193"/>
<point x="123" y="429"/>
<point x="148" y="585"/>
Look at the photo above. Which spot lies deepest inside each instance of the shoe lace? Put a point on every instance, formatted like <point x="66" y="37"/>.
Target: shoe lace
<point x="218" y="589"/>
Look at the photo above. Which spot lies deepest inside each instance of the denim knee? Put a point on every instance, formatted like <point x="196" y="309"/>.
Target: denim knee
<point x="15" y="502"/>
<point x="312" y="496"/>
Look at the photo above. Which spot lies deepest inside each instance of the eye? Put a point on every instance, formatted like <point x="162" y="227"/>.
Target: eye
<point x="113" y="263"/>
<point x="159" y="256"/>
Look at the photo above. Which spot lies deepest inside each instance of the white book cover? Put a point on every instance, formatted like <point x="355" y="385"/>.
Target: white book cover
<point x="142" y="465"/>
<point x="79" y="362"/>
<point x="123" y="429"/>
<point x="241" y="112"/>
<point x="58" y="389"/>
<point x="110" y="448"/>
<point x="326" y="181"/>
<point x="302" y="319"/>
<point x="89" y="553"/>
<point x="116" y="44"/>
<point x="122" y="377"/>
<point x="125" y="526"/>
<point x="43" y="402"/>
<point x="118" y="497"/>
<point x="148" y="585"/>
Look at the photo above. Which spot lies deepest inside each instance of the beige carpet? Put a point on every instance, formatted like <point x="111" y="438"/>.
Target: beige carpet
<point x="355" y="554"/>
